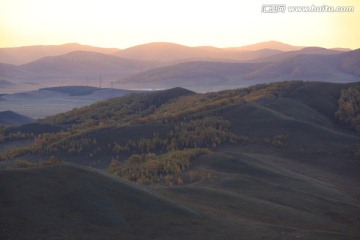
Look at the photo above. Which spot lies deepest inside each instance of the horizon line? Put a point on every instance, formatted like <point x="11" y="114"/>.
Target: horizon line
<point x="175" y="43"/>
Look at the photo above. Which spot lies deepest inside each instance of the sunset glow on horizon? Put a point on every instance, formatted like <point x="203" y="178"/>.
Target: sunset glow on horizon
<point x="226" y="23"/>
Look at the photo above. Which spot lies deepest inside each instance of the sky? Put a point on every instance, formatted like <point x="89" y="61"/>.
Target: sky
<point x="224" y="23"/>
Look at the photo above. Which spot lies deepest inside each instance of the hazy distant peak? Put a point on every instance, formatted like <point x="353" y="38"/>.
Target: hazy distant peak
<point x="160" y="51"/>
<point x="13" y="118"/>
<point x="27" y="54"/>
<point x="159" y="44"/>
<point x="318" y="50"/>
<point x="269" y="45"/>
<point x="156" y="46"/>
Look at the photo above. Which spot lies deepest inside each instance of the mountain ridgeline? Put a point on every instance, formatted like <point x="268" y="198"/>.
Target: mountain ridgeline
<point x="167" y="65"/>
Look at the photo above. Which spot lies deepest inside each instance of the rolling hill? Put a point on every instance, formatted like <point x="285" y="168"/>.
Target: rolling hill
<point x="74" y="201"/>
<point x="271" y="161"/>
<point x="26" y="54"/>
<point x="75" y="68"/>
<point x="197" y="76"/>
<point x="306" y="50"/>
<point x="294" y="112"/>
<point x="162" y="65"/>
<point x="268" y="45"/>
<point x="330" y="66"/>
<point x="350" y="62"/>
<point x="310" y="67"/>
<point x="13" y="119"/>
<point x="85" y="62"/>
<point x="176" y="53"/>
<point x="161" y="51"/>
<point x="247" y="202"/>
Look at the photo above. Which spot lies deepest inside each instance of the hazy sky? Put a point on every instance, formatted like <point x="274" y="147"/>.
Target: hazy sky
<point x="223" y="23"/>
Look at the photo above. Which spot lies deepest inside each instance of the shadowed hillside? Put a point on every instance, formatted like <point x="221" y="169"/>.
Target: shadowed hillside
<point x="277" y="160"/>
<point x="12" y="118"/>
<point x="74" y="203"/>
<point x="248" y="199"/>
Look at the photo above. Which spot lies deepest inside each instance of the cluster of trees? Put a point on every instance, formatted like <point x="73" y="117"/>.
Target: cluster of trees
<point x="191" y="118"/>
<point x="143" y="145"/>
<point x="116" y="112"/>
<point x="192" y="105"/>
<point x="71" y="145"/>
<point x="16" y="152"/>
<point x="165" y="169"/>
<point x="61" y="142"/>
<point x="200" y="103"/>
<point x="15" y="136"/>
<point x="206" y="132"/>
<point x="349" y="107"/>
<point x="269" y="92"/>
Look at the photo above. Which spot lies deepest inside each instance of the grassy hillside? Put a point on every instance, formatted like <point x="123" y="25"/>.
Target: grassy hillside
<point x="75" y="203"/>
<point x="249" y="197"/>
<point x="272" y="161"/>
<point x="287" y="119"/>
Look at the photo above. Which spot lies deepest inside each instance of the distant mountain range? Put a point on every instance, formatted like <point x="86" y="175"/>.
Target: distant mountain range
<point x="200" y="75"/>
<point x="171" y="52"/>
<point x="159" y="51"/>
<point x="166" y="65"/>
<point x="26" y="54"/>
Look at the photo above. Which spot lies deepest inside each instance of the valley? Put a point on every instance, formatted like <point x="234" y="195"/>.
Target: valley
<point x="49" y="101"/>
<point x="166" y="141"/>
